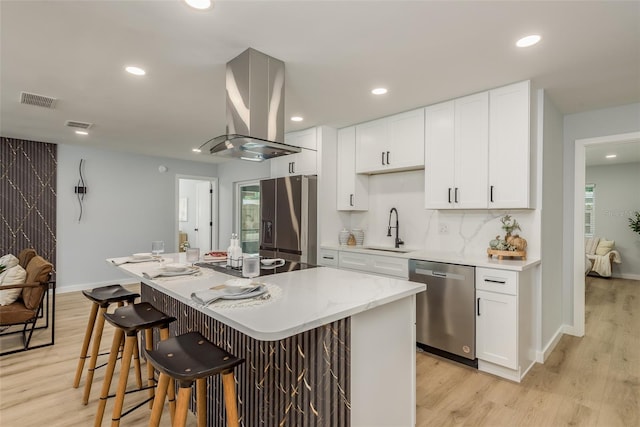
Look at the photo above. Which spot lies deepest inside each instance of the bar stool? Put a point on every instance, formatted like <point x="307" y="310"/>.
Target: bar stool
<point x="101" y="299"/>
<point x="129" y="320"/>
<point x="188" y="358"/>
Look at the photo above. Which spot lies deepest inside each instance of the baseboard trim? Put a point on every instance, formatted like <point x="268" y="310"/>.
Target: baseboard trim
<point x="541" y="356"/>
<point x="627" y="276"/>
<point x="570" y="330"/>
<point x="84" y="286"/>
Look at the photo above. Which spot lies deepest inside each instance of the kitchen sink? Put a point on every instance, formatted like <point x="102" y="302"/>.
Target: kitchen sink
<point x="388" y="249"/>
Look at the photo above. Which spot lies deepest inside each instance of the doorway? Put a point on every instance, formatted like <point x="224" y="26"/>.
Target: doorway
<point x="197" y="210"/>
<point x="579" y="222"/>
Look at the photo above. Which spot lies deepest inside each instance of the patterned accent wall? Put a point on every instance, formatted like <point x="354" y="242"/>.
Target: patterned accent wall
<point x="300" y="381"/>
<point x="28" y="171"/>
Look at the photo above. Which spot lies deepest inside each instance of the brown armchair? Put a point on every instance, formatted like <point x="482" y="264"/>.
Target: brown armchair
<point x="29" y="306"/>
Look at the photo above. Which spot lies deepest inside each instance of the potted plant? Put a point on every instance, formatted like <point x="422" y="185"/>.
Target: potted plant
<point x="634" y="223"/>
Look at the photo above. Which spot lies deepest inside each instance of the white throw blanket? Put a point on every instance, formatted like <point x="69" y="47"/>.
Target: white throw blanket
<point x="601" y="263"/>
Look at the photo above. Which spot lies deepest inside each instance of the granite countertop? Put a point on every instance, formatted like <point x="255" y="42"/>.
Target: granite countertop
<point x="307" y="298"/>
<point x="446" y="257"/>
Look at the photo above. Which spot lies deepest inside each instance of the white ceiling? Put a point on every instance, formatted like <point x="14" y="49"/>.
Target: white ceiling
<point x="628" y="152"/>
<point x="335" y="53"/>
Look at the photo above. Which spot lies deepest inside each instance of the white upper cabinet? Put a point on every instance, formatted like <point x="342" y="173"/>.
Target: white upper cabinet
<point x="509" y="147"/>
<point x="477" y="151"/>
<point x="352" y="189"/>
<point x="456" y="150"/>
<point x="391" y="144"/>
<point x="303" y="163"/>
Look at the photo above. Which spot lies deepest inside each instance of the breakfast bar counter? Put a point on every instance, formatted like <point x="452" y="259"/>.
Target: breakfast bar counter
<point x="327" y="348"/>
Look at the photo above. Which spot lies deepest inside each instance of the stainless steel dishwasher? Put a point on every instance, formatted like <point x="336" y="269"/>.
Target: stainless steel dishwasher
<point x="445" y="312"/>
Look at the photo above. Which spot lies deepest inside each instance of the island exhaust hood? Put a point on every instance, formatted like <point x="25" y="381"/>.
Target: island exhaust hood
<point x="255" y="110"/>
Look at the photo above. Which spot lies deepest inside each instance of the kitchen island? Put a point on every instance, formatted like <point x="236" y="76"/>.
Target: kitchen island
<point x="329" y="348"/>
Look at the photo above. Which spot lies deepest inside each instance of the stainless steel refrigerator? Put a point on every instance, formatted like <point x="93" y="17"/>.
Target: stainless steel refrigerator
<point x="288" y="218"/>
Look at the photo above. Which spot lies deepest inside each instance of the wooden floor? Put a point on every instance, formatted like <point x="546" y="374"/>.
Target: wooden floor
<point x="590" y="381"/>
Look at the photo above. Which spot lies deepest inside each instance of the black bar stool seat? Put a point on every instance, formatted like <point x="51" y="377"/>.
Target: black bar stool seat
<point x="101" y="298"/>
<point x="187" y="359"/>
<point x="128" y="321"/>
<point x="110" y="294"/>
<point x="138" y="317"/>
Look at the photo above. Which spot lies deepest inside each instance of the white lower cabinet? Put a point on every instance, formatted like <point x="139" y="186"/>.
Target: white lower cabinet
<point x="328" y="258"/>
<point x="376" y="264"/>
<point x="505" y="322"/>
<point x="496" y="333"/>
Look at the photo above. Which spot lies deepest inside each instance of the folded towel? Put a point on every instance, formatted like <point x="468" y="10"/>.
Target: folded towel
<point x="207" y="296"/>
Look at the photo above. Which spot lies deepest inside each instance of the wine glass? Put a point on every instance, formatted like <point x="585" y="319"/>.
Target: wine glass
<point x="193" y="255"/>
<point x="157" y="247"/>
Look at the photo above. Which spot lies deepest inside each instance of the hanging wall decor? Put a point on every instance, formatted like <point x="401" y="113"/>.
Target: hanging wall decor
<point x="81" y="188"/>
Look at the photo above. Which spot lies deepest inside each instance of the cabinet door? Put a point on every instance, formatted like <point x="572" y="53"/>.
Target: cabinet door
<point x="303" y="163"/>
<point x="496" y="328"/>
<point x="371" y="141"/>
<point x="509" y="148"/>
<point x="352" y="189"/>
<point x="328" y="257"/>
<point x="439" y="156"/>
<point x="471" y="151"/>
<point x="390" y="266"/>
<point x="305" y="139"/>
<point x="353" y="261"/>
<point x="280" y="166"/>
<point x="405" y="148"/>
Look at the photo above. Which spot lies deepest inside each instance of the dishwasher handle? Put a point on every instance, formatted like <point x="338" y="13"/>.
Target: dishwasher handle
<point x="439" y="274"/>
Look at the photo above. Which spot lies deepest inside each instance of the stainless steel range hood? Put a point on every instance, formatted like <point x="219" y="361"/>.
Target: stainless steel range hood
<point x="255" y="110"/>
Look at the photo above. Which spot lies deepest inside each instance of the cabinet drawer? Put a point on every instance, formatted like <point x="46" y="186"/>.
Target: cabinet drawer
<point x="353" y="261"/>
<point x="328" y="257"/>
<point x="397" y="267"/>
<point x="500" y="281"/>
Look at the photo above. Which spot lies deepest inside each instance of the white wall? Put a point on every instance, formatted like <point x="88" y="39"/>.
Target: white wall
<point x="229" y="173"/>
<point x="551" y="218"/>
<point x="589" y="124"/>
<point x="469" y="231"/>
<point x="129" y="203"/>
<point x="617" y="197"/>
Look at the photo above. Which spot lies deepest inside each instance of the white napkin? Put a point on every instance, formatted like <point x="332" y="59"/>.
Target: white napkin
<point x="159" y="273"/>
<point x="207" y="296"/>
<point x="120" y="261"/>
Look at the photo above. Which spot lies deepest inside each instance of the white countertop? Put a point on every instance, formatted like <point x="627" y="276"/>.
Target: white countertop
<point x="447" y="257"/>
<point x="309" y="298"/>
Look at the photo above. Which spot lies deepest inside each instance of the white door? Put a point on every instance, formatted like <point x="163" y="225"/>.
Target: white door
<point x="204" y="222"/>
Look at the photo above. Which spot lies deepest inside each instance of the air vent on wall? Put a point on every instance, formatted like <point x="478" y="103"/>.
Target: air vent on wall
<point x="37" y="100"/>
<point x="79" y="125"/>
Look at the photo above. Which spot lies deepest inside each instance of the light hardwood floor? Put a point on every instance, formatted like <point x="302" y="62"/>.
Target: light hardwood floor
<point x="590" y="381"/>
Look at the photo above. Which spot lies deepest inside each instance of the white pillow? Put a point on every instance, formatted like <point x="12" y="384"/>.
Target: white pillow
<point x="13" y="275"/>
<point x="590" y="245"/>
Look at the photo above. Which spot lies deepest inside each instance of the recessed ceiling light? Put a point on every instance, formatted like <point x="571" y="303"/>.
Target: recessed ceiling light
<point x="137" y="71"/>
<point x="82" y="132"/>
<point x="296" y="119"/>
<point x="199" y="4"/>
<point x="528" y="40"/>
<point x="196" y="150"/>
<point x="610" y="156"/>
<point x="379" y="91"/>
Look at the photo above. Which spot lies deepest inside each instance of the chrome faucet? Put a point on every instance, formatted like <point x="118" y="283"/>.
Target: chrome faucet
<point x="397" y="227"/>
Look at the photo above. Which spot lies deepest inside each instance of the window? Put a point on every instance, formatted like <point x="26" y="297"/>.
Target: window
<point x="590" y="210"/>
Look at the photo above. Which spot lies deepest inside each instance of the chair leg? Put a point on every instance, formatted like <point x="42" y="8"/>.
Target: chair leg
<point x="94" y="355"/>
<point x="184" y="396"/>
<point x="201" y="401"/>
<point x="108" y="376"/>
<point x="158" y="400"/>
<point x="164" y="334"/>
<point x="229" y="391"/>
<point x="122" y="383"/>
<point x="85" y="344"/>
<point x="136" y="363"/>
<point x="148" y="344"/>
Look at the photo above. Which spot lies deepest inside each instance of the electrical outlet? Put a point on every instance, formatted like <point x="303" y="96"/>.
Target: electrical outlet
<point x="443" y="229"/>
